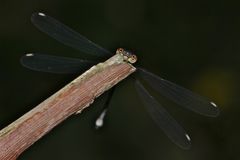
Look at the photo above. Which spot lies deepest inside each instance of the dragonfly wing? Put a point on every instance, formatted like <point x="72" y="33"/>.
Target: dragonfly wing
<point x="54" y="64"/>
<point x="66" y="35"/>
<point x="101" y="118"/>
<point x="170" y="127"/>
<point x="180" y="95"/>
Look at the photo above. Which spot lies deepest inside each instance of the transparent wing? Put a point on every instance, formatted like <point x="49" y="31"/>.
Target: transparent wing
<point x="170" y="127"/>
<point x="180" y="95"/>
<point x="54" y="64"/>
<point x="66" y="35"/>
<point x="101" y="118"/>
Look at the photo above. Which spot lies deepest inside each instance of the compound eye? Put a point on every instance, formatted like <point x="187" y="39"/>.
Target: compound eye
<point x="120" y="50"/>
<point x="132" y="59"/>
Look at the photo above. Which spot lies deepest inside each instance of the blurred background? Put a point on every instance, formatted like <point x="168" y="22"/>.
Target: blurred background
<point x="193" y="43"/>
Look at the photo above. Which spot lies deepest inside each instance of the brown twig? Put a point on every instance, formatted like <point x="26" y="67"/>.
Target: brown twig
<point x="73" y="98"/>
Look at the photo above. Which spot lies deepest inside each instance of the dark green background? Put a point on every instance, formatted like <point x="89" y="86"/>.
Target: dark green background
<point x="193" y="43"/>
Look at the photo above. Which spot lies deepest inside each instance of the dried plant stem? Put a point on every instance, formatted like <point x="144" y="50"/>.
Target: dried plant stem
<point x="73" y="98"/>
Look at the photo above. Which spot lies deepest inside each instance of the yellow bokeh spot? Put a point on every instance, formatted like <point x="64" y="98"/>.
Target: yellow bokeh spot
<point x="216" y="84"/>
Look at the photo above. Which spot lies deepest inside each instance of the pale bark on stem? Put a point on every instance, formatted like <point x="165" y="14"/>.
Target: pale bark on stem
<point x="73" y="98"/>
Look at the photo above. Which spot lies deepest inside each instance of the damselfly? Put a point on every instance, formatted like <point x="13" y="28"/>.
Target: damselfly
<point x="177" y="94"/>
